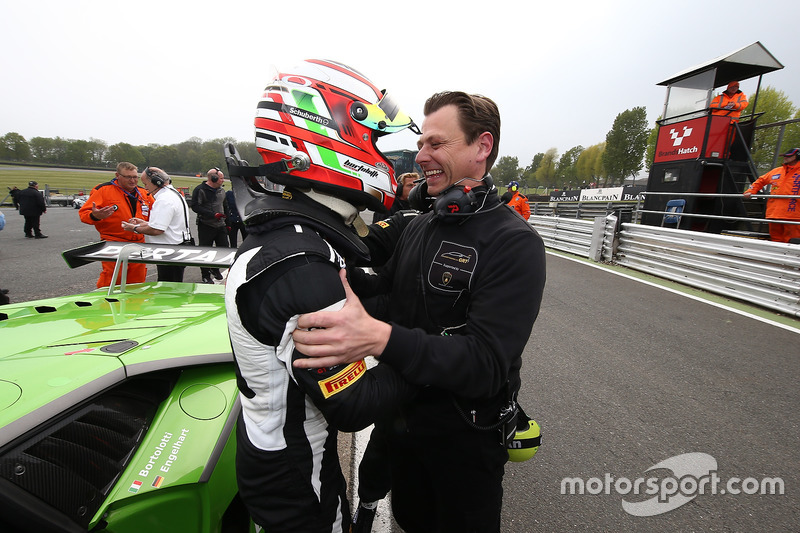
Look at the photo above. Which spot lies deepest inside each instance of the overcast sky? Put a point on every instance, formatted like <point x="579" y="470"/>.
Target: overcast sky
<point x="164" y="71"/>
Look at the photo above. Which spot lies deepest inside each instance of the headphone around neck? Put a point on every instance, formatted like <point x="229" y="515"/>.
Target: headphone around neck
<point x="452" y="202"/>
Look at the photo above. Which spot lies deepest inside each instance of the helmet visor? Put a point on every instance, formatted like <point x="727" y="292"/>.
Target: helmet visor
<point x="386" y="116"/>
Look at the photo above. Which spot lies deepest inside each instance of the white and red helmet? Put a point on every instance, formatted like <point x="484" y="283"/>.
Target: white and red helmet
<point x="334" y="115"/>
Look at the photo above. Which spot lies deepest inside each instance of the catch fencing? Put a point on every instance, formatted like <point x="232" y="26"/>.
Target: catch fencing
<point x="763" y="273"/>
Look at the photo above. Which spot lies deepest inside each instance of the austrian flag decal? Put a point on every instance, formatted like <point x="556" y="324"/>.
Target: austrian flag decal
<point x="342" y="380"/>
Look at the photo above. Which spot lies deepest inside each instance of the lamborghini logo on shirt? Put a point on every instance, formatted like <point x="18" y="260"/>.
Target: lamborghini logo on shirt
<point x="452" y="267"/>
<point x="342" y="380"/>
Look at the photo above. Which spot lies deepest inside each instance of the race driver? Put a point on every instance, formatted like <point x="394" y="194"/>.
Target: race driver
<point x="300" y="234"/>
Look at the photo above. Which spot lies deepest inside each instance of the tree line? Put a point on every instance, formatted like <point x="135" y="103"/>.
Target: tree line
<point x="190" y="157"/>
<point x="630" y="145"/>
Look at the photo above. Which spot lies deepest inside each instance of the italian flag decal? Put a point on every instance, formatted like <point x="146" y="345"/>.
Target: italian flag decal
<point x="135" y="486"/>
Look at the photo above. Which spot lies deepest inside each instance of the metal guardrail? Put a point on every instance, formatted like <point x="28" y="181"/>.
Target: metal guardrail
<point x="567" y="234"/>
<point x="584" y="210"/>
<point x="688" y="215"/>
<point x="594" y="239"/>
<point x="763" y="273"/>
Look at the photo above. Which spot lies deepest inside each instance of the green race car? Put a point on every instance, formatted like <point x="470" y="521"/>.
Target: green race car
<point x="118" y="407"/>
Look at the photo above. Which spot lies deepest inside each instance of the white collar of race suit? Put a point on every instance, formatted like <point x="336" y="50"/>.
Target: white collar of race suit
<point x="347" y="211"/>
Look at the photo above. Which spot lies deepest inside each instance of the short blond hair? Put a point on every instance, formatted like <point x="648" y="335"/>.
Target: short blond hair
<point x="124" y="165"/>
<point x="402" y="177"/>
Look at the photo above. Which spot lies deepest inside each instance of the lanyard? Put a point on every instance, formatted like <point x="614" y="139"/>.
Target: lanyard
<point x="131" y="197"/>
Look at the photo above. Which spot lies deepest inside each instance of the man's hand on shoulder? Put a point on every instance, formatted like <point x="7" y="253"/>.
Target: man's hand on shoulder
<point x="339" y="337"/>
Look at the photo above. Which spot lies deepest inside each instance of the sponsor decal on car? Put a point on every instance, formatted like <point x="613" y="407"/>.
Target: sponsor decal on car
<point x="169" y="451"/>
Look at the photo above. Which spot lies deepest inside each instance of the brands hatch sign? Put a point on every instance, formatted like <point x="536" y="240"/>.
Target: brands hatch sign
<point x="684" y="140"/>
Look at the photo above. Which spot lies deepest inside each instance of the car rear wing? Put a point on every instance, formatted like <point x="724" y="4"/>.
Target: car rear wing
<point x="152" y="254"/>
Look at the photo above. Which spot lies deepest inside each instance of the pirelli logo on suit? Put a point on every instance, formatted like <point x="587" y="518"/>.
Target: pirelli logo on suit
<point x="339" y="382"/>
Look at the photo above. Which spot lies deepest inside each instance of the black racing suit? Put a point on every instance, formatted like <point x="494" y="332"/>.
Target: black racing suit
<point x="457" y="333"/>
<point x="374" y="474"/>
<point x="287" y="462"/>
<point x="381" y="240"/>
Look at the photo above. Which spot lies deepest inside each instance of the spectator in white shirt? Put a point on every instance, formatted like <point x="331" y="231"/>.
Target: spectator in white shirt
<point x="169" y="219"/>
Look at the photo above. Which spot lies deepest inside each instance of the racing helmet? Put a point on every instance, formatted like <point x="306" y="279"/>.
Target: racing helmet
<point x="514" y="185"/>
<point x="526" y="441"/>
<point x="330" y="116"/>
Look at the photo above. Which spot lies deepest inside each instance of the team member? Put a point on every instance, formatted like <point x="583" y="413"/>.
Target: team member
<point x="405" y="182"/>
<point x="729" y="103"/>
<point x="32" y="207"/>
<point x="208" y="201"/>
<point x="783" y="180"/>
<point x="298" y="240"/>
<point x="108" y="206"/>
<point x="517" y="201"/>
<point x="374" y="476"/>
<point x="169" y="219"/>
<point x="450" y="330"/>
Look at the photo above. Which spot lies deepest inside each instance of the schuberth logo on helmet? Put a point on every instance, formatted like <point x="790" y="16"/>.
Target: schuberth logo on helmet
<point x="308" y="116"/>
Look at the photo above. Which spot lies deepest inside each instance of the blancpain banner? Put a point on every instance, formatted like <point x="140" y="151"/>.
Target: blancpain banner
<point x="611" y="194"/>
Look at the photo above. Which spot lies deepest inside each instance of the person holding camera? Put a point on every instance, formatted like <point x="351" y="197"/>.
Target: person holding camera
<point x="109" y="205"/>
<point x="169" y="219"/>
<point x="208" y="201"/>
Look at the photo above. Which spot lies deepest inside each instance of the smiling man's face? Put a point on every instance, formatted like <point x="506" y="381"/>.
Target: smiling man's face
<point x="444" y="155"/>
